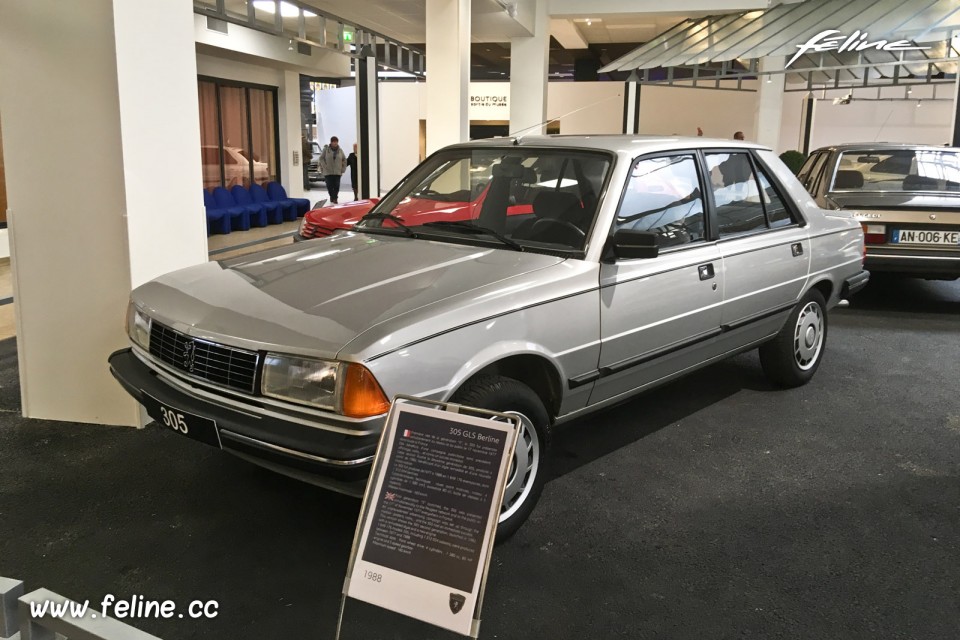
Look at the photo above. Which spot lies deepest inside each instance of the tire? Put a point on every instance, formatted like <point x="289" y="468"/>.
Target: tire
<point x="794" y="355"/>
<point x="498" y="393"/>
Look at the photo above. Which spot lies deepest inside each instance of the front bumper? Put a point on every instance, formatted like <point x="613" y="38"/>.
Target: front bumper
<point x="934" y="264"/>
<point x="337" y="461"/>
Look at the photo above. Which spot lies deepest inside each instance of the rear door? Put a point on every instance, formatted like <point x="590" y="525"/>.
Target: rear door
<point x="656" y="314"/>
<point x="765" y="250"/>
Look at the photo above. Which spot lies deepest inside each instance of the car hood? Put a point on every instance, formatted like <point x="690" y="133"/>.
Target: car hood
<point x="341" y="215"/>
<point x="316" y="297"/>
<point x="895" y="200"/>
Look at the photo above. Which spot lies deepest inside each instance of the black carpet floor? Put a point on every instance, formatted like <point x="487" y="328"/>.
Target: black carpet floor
<point x="715" y="507"/>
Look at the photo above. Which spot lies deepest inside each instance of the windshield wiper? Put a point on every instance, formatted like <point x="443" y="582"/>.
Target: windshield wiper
<point x="387" y="216"/>
<point x="475" y="228"/>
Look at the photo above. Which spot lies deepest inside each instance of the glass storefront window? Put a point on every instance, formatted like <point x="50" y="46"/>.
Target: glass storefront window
<point x="263" y="130"/>
<point x="238" y="134"/>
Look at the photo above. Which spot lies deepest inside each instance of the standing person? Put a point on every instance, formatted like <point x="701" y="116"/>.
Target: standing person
<point x="332" y="165"/>
<point x="352" y="163"/>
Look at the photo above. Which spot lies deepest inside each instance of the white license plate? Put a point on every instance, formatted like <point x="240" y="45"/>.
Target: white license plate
<point x="916" y="236"/>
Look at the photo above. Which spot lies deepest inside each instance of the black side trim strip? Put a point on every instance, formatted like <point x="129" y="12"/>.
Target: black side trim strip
<point x="617" y="367"/>
<point x="586" y="378"/>
<point x="757" y="317"/>
<point x="657" y="353"/>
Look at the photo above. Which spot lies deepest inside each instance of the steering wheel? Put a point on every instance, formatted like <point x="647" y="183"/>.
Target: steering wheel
<point x="565" y="229"/>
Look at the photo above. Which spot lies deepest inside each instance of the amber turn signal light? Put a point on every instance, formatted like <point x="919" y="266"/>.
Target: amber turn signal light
<point x="362" y="395"/>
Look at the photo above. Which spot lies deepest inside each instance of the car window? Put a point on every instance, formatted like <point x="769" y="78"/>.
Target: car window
<point x="736" y="195"/>
<point x="807" y="167"/>
<point x="663" y="196"/>
<point x="541" y="198"/>
<point x="898" y="170"/>
<point x="778" y="215"/>
<point x="815" y="171"/>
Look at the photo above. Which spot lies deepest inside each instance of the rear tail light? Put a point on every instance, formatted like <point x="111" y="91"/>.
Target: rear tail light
<point x="874" y="233"/>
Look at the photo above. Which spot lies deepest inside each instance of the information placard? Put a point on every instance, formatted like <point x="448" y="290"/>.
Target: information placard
<point x="430" y="512"/>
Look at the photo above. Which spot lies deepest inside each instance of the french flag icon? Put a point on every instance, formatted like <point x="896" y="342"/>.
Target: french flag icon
<point x="407" y="433"/>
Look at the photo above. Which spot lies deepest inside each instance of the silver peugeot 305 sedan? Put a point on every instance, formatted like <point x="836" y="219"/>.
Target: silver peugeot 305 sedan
<point x="546" y="276"/>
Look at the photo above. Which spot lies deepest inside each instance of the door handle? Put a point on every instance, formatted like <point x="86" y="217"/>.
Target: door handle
<point x="797" y="249"/>
<point x="705" y="271"/>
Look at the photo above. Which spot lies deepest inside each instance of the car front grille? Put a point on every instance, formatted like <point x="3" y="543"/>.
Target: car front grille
<point x="227" y="366"/>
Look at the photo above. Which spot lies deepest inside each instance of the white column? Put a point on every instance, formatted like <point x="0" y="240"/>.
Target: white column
<point x="291" y="171"/>
<point x="101" y="143"/>
<point x="769" y="103"/>
<point x="448" y="72"/>
<point x="529" y="66"/>
<point x="631" y="104"/>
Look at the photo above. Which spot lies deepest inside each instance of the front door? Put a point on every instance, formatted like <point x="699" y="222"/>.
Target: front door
<point x="656" y="314"/>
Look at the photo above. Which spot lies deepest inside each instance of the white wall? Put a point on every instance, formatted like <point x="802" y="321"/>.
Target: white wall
<point x="668" y="110"/>
<point x="597" y="107"/>
<point x="210" y="64"/>
<point x="399" y="130"/>
<point x="864" y="121"/>
<point x="118" y="139"/>
<point x="337" y="116"/>
<point x="250" y="45"/>
<point x="587" y="107"/>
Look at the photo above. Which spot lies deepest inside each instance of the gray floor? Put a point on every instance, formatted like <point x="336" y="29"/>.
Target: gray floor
<point x="715" y="507"/>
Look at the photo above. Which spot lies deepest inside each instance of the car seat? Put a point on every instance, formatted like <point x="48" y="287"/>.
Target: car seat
<point x="848" y="179"/>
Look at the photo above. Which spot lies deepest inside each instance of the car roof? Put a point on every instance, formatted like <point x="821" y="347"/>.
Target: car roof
<point x="627" y="144"/>
<point x="883" y="146"/>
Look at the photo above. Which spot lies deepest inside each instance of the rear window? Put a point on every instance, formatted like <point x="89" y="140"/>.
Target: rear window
<point x="898" y="170"/>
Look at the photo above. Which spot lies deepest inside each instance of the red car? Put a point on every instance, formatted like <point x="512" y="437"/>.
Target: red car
<point x="414" y="211"/>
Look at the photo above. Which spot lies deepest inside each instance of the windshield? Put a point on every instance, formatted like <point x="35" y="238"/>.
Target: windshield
<point x="899" y="170"/>
<point x="519" y="197"/>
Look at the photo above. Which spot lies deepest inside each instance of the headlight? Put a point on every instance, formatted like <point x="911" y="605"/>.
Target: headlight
<point x="303" y="380"/>
<point x="347" y="388"/>
<point x="138" y="326"/>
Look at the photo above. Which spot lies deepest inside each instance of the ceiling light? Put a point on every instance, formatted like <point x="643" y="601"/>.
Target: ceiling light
<point x="919" y="104"/>
<point x="589" y="22"/>
<point x="287" y="10"/>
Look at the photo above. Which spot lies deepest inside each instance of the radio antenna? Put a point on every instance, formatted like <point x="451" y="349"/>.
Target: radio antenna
<point x="519" y="135"/>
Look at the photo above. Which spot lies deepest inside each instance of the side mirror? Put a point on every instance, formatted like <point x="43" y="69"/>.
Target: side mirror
<point x="630" y="244"/>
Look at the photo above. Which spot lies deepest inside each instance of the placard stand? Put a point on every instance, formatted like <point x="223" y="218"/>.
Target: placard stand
<point x="382" y="456"/>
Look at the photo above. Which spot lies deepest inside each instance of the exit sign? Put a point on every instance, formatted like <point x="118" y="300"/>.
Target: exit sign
<point x="348" y="36"/>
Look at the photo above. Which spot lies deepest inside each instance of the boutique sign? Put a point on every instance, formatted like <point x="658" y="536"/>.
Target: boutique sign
<point x="489" y="101"/>
<point x="833" y="40"/>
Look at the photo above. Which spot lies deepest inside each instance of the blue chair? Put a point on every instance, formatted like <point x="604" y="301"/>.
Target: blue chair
<point x="287" y="209"/>
<point x="273" y="210"/>
<point x="258" y="212"/>
<point x="278" y="194"/>
<point x="239" y="216"/>
<point x="218" y="220"/>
